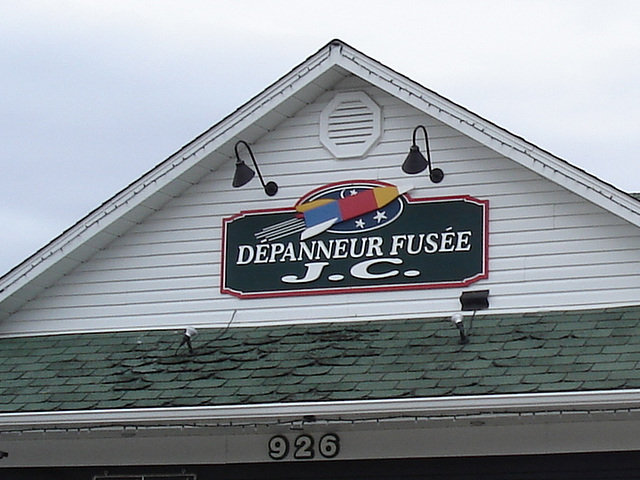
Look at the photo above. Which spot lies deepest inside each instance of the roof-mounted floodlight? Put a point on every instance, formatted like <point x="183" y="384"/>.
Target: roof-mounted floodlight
<point x="187" y="336"/>
<point x="244" y="173"/>
<point x="415" y="161"/>
<point x="457" y="320"/>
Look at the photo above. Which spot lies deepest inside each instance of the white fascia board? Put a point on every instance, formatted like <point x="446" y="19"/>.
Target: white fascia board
<point x="492" y="136"/>
<point x="486" y="405"/>
<point x="165" y="173"/>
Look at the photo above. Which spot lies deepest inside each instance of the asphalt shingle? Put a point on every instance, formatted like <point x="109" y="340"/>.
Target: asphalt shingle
<point x="546" y="352"/>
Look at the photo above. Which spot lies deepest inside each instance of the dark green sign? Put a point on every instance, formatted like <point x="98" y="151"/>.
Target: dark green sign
<point x="355" y="237"/>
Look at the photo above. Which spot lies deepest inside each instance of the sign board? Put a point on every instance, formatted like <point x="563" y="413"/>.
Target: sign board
<point x="355" y="237"/>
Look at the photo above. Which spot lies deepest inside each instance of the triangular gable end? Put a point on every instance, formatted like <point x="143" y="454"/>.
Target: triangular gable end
<point x="264" y="112"/>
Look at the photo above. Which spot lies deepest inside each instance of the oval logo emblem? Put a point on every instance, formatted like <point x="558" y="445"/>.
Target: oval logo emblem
<point x="365" y="206"/>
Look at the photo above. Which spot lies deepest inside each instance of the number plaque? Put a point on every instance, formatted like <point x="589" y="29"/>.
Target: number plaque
<point x="304" y="447"/>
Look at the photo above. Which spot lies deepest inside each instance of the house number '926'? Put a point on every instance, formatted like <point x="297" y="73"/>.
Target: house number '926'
<point x="304" y="447"/>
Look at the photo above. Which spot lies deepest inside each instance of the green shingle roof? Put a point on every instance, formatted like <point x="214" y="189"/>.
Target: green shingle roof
<point x="543" y="352"/>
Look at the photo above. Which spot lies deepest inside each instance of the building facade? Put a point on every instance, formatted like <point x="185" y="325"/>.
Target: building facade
<point x="349" y="276"/>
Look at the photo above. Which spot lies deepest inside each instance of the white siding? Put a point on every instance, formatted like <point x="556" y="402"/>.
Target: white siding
<point x="549" y="249"/>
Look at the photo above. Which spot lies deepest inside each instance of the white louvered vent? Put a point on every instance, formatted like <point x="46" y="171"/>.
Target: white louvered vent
<point x="350" y="124"/>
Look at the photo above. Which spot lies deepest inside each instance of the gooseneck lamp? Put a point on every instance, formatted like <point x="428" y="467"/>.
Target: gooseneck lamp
<point x="415" y="161"/>
<point x="244" y="173"/>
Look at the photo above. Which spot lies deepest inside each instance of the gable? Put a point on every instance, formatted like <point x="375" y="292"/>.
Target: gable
<point x="548" y="247"/>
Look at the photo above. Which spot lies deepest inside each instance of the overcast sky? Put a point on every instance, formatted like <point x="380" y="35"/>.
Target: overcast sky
<point x="95" y="93"/>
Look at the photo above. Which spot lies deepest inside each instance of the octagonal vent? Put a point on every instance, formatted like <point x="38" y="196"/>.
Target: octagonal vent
<point x="350" y="124"/>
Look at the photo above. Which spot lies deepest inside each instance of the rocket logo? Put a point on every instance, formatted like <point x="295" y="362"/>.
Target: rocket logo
<point x="355" y="207"/>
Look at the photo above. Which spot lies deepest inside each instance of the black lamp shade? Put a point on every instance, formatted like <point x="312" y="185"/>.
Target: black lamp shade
<point x="415" y="161"/>
<point x="243" y="174"/>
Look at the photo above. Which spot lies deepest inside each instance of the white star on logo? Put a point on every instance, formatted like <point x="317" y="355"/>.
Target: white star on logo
<point x="379" y="216"/>
<point x="353" y="192"/>
<point x="360" y="223"/>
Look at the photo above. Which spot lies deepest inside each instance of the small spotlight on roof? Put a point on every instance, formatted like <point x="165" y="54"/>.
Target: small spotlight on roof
<point x="457" y="320"/>
<point x="188" y="335"/>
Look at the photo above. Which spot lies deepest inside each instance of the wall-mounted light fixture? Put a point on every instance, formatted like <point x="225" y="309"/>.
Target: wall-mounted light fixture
<point x="244" y="173"/>
<point x="416" y="162"/>
<point x="470" y="301"/>
<point x="474" y="300"/>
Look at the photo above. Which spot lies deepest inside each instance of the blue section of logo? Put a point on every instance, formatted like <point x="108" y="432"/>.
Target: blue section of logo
<point x="322" y="214"/>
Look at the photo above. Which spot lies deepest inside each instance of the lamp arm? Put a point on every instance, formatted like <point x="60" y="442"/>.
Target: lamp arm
<point x="255" y="164"/>
<point x="253" y="159"/>
<point x="426" y="142"/>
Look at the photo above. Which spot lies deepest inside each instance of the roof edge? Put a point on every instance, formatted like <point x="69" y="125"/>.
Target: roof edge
<point x="169" y="170"/>
<point x="529" y="403"/>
